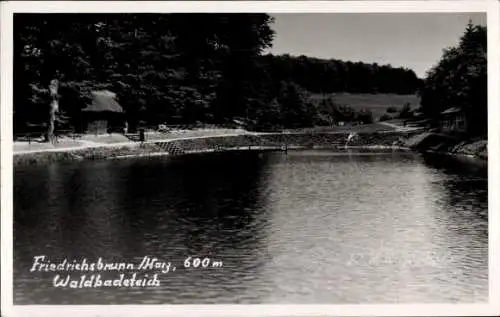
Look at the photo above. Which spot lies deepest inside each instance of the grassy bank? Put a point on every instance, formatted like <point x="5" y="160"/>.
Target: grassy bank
<point x="376" y="103"/>
<point x="79" y="154"/>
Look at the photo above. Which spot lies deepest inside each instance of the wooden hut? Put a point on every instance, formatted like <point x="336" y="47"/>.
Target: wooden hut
<point x="103" y="114"/>
<point x="453" y="120"/>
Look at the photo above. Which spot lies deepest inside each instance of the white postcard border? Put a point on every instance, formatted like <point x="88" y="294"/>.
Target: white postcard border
<point x="492" y="8"/>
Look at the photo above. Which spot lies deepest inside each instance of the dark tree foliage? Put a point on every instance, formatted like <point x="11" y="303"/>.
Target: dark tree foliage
<point x="296" y="109"/>
<point x="183" y="68"/>
<point x="460" y="80"/>
<point x="328" y="76"/>
<point x="405" y="111"/>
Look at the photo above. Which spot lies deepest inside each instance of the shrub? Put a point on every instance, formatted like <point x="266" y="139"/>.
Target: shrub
<point x="365" y="116"/>
<point x="384" y="117"/>
<point x="392" y="110"/>
<point x="406" y="111"/>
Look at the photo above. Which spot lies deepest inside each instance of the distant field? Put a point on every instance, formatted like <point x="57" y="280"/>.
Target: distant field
<point x="376" y="103"/>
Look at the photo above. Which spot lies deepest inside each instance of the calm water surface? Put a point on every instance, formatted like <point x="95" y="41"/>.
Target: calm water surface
<point x="307" y="227"/>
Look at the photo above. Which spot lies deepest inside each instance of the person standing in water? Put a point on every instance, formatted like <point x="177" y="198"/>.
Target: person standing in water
<point x="350" y="137"/>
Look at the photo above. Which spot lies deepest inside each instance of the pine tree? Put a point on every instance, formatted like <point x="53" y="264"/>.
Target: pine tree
<point x="460" y="80"/>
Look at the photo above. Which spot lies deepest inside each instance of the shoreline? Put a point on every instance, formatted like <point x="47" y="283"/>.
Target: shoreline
<point x="415" y="141"/>
<point x="267" y="149"/>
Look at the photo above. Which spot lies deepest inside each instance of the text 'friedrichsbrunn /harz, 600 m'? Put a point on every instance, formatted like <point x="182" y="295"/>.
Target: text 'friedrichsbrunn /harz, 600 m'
<point x="72" y="274"/>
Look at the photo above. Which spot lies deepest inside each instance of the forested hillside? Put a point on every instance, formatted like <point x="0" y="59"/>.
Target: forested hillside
<point x="460" y="80"/>
<point x="182" y="68"/>
<point x="326" y="76"/>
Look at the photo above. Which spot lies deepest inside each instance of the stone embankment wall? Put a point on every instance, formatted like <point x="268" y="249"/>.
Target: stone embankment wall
<point x="288" y="140"/>
<point x="265" y="141"/>
<point x="439" y="143"/>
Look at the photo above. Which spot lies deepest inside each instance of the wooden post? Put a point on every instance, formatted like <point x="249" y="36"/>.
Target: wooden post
<point x="54" y="109"/>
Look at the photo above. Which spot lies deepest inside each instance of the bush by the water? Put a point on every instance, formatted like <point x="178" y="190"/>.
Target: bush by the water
<point x="406" y="111"/>
<point x="384" y="117"/>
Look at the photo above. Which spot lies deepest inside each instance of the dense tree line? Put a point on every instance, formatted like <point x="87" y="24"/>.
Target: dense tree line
<point x="181" y="68"/>
<point x="459" y="79"/>
<point x="328" y="76"/>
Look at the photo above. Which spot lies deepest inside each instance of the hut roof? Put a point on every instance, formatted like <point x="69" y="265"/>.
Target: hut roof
<point x="102" y="101"/>
<point x="452" y="110"/>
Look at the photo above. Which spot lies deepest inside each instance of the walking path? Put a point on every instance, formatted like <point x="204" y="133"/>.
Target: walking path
<point x="399" y="127"/>
<point x="69" y="145"/>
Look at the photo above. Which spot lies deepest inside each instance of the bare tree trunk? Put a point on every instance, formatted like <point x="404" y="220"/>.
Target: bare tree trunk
<point x="54" y="109"/>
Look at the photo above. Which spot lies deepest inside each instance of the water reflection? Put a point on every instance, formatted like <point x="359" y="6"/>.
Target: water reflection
<point x="307" y="227"/>
<point x="464" y="201"/>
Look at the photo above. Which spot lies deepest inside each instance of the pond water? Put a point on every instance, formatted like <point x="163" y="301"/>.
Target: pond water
<point x="308" y="227"/>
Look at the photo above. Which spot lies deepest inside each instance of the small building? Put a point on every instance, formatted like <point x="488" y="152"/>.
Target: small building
<point x="453" y="120"/>
<point x="103" y="114"/>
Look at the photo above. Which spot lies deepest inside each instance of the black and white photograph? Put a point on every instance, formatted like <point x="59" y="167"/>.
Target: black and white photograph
<point x="216" y="158"/>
